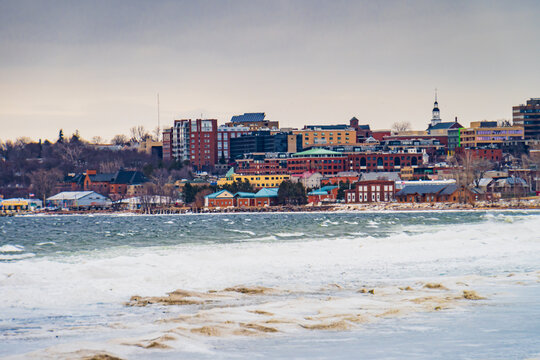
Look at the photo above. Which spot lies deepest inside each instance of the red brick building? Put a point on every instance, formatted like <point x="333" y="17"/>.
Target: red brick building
<point x="167" y="144"/>
<point x="326" y="193"/>
<point x="370" y="162"/>
<point x="490" y="154"/>
<point x="371" y="191"/>
<point x="323" y="161"/>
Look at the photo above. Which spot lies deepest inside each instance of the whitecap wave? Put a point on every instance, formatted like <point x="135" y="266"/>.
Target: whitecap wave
<point x="11" y="248"/>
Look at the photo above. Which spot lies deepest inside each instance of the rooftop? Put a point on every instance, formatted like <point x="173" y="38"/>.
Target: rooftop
<point x="248" y="117"/>
<point x="316" y="152"/>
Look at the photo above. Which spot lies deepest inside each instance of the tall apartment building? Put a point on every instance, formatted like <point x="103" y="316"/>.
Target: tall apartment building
<point x="224" y="136"/>
<point x="483" y="133"/>
<point x="194" y="141"/>
<point x="528" y="116"/>
<point x="167" y="144"/>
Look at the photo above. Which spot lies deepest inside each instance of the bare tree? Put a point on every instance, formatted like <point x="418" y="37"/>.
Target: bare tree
<point x="156" y="134"/>
<point x="119" y="139"/>
<point x="43" y="182"/>
<point x="71" y="153"/>
<point x="110" y="166"/>
<point x="400" y="126"/>
<point x="97" y="140"/>
<point x="138" y="134"/>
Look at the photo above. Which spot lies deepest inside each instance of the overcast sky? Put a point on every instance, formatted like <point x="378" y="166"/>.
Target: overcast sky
<point x="97" y="66"/>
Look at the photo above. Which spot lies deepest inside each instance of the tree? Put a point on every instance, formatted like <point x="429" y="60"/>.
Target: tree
<point x="97" y="140"/>
<point x="341" y="191"/>
<point x="75" y="138"/>
<point x="138" y="134"/>
<point x="400" y="126"/>
<point x="60" y="137"/>
<point x="290" y="193"/>
<point x="43" y="182"/>
<point x="119" y="139"/>
<point x="239" y="185"/>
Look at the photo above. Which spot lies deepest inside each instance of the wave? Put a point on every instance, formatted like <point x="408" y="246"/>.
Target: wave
<point x="11" y="248"/>
<point x="242" y="231"/>
<point x="293" y="234"/>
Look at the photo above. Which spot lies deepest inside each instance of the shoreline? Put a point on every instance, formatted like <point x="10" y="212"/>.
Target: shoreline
<point x="523" y="205"/>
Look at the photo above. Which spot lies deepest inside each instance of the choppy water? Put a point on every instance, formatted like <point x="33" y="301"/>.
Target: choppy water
<point x="64" y="279"/>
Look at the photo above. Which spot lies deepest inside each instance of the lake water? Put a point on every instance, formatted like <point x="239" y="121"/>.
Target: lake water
<point x="65" y="282"/>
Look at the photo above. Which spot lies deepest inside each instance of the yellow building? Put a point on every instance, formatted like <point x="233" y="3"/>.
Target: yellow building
<point x="320" y="137"/>
<point x="488" y="133"/>
<point x="258" y="181"/>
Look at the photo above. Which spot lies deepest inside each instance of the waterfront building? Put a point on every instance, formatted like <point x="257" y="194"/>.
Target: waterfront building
<point x="114" y="185"/>
<point x="223" y="198"/>
<point x="324" y="194"/>
<point x="266" y="197"/>
<point x="369" y="191"/>
<point x="431" y="193"/>
<point x="528" y="116"/>
<point x="19" y="204"/>
<point x="79" y="199"/>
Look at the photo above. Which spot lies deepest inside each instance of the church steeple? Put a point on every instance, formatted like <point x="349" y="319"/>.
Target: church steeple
<point x="436" y="117"/>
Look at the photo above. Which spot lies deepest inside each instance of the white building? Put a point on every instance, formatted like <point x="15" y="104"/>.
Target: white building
<point x="86" y="199"/>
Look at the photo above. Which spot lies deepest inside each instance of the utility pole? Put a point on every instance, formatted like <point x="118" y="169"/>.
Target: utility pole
<point x="158" y="120"/>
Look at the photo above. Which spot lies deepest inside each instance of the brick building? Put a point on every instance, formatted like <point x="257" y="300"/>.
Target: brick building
<point x="194" y="141"/>
<point x="371" y="191"/>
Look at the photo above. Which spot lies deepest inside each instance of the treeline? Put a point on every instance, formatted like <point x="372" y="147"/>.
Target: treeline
<point x="31" y="166"/>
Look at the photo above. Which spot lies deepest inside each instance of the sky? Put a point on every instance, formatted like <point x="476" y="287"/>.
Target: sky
<point x="97" y="66"/>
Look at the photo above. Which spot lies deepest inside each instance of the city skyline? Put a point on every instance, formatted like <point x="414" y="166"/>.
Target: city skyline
<point x="98" y="67"/>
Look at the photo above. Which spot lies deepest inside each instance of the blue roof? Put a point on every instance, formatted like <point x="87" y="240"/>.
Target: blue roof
<point x="318" y="192"/>
<point x="329" y="187"/>
<point x="248" y="117"/>
<point x="427" y="189"/>
<point x="216" y="194"/>
<point x="444" y="125"/>
<point x="244" y="194"/>
<point x="267" y="192"/>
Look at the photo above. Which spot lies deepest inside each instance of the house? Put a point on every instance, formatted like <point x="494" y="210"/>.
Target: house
<point x="310" y="179"/>
<point x="223" y="198"/>
<point x="326" y="193"/>
<point x="371" y="191"/>
<point x="114" y="184"/>
<point x="266" y="197"/>
<point x="431" y="193"/>
<point x="79" y="199"/>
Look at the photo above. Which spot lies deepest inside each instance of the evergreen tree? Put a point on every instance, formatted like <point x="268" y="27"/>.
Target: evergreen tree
<point x="60" y="137"/>
<point x="292" y="193"/>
